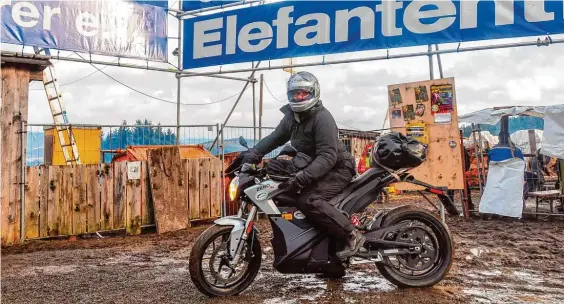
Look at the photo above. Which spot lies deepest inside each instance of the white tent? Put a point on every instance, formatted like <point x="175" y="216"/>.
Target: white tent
<point x="492" y="116"/>
<point x="521" y="140"/>
<point x="486" y="136"/>
<point x="552" y="139"/>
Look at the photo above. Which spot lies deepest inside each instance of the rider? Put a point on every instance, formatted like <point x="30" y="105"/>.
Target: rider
<point x="312" y="130"/>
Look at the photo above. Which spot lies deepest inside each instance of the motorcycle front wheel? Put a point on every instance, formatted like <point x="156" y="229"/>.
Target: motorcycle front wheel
<point x="426" y="230"/>
<point x="210" y="268"/>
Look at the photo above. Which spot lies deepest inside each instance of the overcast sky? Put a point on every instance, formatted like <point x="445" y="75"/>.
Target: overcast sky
<point x="356" y="94"/>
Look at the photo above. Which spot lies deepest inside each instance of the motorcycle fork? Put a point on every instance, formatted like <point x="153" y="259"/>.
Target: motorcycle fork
<point x="249" y="225"/>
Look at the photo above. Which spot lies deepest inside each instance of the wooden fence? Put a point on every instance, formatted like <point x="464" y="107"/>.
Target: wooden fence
<point x="73" y="200"/>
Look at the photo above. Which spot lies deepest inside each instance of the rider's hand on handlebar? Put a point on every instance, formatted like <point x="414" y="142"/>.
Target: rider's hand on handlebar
<point x="290" y="185"/>
<point x="252" y="156"/>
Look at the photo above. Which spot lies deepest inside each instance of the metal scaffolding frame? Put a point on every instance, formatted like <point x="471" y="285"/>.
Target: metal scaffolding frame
<point x="548" y="41"/>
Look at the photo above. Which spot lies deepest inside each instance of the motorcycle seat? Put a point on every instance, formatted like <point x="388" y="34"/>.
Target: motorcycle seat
<point x="360" y="192"/>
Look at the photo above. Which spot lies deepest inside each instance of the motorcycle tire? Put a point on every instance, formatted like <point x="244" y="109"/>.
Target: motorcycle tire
<point x="444" y="239"/>
<point x="195" y="265"/>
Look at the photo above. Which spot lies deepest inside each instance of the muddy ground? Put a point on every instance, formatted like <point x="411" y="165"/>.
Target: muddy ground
<point x="497" y="261"/>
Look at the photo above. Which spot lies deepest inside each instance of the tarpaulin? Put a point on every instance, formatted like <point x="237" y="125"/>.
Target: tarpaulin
<point x="503" y="194"/>
<point x="521" y="140"/>
<point x="486" y="137"/>
<point x="492" y="116"/>
<point x="553" y="136"/>
<point x="115" y="28"/>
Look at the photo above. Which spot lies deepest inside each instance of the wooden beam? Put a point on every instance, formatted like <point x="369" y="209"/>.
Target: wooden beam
<point x="15" y="90"/>
<point x="36" y="76"/>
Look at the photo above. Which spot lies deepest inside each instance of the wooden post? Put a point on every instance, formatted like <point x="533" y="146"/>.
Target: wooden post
<point x="532" y="142"/>
<point x="16" y="75"/>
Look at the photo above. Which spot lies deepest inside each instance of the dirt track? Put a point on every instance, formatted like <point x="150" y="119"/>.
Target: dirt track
<point x="496" y="262"/>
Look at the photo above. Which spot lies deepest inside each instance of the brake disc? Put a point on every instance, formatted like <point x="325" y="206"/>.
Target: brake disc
<point x="427" y="254"/>
<point x="223" y="254"/>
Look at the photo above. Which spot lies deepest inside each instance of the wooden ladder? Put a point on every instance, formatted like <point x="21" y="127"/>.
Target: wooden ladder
<point x="61" y="122"/>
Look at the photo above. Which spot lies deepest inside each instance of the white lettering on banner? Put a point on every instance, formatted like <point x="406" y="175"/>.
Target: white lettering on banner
<point x="49" y="13"/>
<point x="535" y="11"/>
<point x="366" y="16"/>
<point x="283" y="20"/>
<point x="315" y="28"/>
<point x="504" y="13"/>
<point x="84" y="20"/>
<point x="25" y="9"/>
<point x="413" y="15"/>
<point x="231" y="44"/>
<point x="321" y="30"/>
<point x="388" y="10"/>
<point x="27" y="15"/>
<point x="201" y="37"/>
<point x="245" y="37"/>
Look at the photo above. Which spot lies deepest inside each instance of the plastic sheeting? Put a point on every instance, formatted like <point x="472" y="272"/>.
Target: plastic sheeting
<point x="521" y="140"/>
<point x="487" y="138"/>
<point x="553" y="137"/>
<point x="493" y="116"/>
<point x="503" y="194"/>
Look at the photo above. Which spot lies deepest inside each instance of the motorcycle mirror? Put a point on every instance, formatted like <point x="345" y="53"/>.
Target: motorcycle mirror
<point x="243" y="142"/>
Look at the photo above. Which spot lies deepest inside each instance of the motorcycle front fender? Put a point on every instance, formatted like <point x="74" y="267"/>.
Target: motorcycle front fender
<point x="236" y="232"/>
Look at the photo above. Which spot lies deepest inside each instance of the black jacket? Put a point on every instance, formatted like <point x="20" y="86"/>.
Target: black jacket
<point x="314" y="133"/>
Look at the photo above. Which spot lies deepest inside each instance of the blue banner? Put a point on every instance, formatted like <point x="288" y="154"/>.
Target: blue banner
<point x="159" y="3"/>
<point x="113" y="28"/>
<point x="192" y="5"/>
<point x="304" y="28"/>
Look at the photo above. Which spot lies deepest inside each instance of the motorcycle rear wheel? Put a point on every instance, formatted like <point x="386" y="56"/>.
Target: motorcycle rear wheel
<point x="197" y="275"/>
<point x="444" y="257"/>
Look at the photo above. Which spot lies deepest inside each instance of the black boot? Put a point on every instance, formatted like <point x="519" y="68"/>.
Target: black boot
<point x="333" y="274"/>
<point x="355" y="241"/>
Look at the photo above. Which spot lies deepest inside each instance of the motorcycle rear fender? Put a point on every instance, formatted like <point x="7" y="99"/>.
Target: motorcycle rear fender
<point x="378" y="223"/>
<point x="236" y="232"/>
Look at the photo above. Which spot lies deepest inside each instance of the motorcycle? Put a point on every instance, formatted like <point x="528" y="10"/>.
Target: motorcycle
<point x="411" y="247"/>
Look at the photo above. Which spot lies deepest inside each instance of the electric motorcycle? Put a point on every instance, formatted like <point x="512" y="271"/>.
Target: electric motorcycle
<point x="411" y="247"/>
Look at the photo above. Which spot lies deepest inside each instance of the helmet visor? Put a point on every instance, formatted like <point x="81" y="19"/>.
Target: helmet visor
<point x="299" y="95"/>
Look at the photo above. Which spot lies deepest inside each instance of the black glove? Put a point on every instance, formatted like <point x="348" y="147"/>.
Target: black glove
<point x="292" y="185"/>
<point x="252" y="156"/>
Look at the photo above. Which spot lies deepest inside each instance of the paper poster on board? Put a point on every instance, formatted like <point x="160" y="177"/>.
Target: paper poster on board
<point x="421" y="94"/>
<point x="396" y="113"/>
<point x="441" y="98"/>
<point x="408" y="113"/>
<point x="395" y="97"/>
<point x="420" y="110"/>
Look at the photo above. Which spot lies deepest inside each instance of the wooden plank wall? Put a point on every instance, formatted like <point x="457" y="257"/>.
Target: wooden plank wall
<point x="203" y="188"/>
<point x="73" y="200"/>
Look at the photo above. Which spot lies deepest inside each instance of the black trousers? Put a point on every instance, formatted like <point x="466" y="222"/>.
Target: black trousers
<point x="313" y="201"/>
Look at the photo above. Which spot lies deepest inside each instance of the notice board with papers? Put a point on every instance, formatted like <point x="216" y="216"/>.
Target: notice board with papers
<point x="427" y="111"/>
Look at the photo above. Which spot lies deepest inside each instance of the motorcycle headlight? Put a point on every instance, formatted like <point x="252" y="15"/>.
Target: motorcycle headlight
<point x="233" y="188"/>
